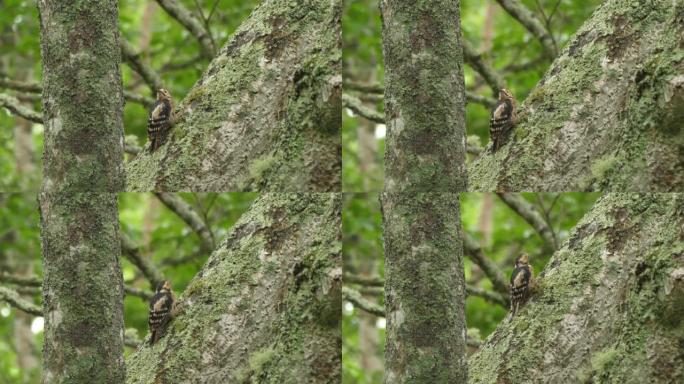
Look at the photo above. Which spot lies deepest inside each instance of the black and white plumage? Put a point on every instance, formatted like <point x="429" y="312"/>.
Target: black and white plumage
<point x="521" y="279"/>
<point x="159" y="121"/>
<point x="161" y="308"/>
<point x="502" y="120"/>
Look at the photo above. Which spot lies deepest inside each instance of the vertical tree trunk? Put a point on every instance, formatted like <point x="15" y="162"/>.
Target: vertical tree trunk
<point x="424" y="289"/>
<point x="83" y="152"/>
<point x="608" y="306"/>
<point x="424" y="96"/>
<point x="82" y="288"/>
<point x="266" y="305"/>
<point x="82" y="95"/>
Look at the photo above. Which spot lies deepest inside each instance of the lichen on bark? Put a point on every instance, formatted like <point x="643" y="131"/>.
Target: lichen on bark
<point x="608" y="113"/>
<point x="266" y="305"/>
<point x="607" y="307"/>
<point x="266" y="114"/>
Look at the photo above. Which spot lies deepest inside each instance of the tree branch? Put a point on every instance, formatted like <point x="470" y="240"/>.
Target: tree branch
<point x="26" y="281"/>
<point x="188" y="214"/>
<point x="140" y="99"/>
<point x="14" y="106"/>
<point x="149" y="75"/>
<point x="20" y="85"/>
<point x="525" y="210"/>
<point x="369" y="281"/>
<point x="176" y="10"/>
<point x="474" y="251"/>
<point x="489" y="296"/>
<point x="355" y="298"/>
<point x="493" y="79"/>
<point x="130" y="250"/>
<point x="363" y="87"/>
<point x="357" y="106"/>
<point x="519" y="12"/>
<point x="12" y="298"/>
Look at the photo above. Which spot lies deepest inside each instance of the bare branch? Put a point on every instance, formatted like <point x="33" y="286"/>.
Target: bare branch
<point x="149" y="75"/>
<point x="14" y="106"/>
<point x="525" y="210"/>
<point x="20" y="86"/>
<point x="12" y="298"/>
<point x="489" y="296"/>
<point x="369" y="281"/>
<point x="27" y="281"/>
<point x="141" y="293"/>
<point x="355" y="298"/>
<point x="176" y="10"/>
<point x="488" y="73"/>
<point x="357" y="106"/>
<point x="188" y="214"/>
<point x="363" y="87"/>
<point x="140" y="99"/>
<point x="130" y="250"/>
<point x="474" y="251"/>
<point x="519" y="12"/>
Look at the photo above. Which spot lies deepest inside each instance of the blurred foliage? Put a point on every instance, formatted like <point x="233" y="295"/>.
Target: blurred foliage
<point x="170" y="49"/>
<point x="501" y="232"/>
<point x="503" y="42"/>
<point x="161" y="235"/>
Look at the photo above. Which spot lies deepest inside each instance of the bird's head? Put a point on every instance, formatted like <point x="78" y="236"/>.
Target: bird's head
<point x="505" y="94"/>
<point x="164" y="285"/>
<point x="163" y="94"/>
<point x="523" y="259"/>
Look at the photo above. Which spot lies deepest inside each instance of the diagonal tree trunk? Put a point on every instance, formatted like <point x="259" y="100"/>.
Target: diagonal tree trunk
<point x="608" y="306"/>
<point x="607" y="115"/>
<point x="266" y="305"/>
<point x="266" y="114"/>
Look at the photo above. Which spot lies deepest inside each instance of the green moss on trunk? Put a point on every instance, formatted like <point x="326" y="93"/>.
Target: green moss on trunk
<point x="265" y="307"/>
<point x="424" y="289"/>
<point x="608" y="306"/>
<point x="266" y="114"/>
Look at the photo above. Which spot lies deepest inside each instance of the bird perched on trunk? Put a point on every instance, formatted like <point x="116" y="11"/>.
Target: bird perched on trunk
<point x="521" y="280"/>
<point x="160" y="119"/>
<point x="161" y="310"/>
<point x="503" y="119"/>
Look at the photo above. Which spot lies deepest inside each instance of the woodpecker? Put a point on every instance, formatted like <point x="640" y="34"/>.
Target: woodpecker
<point x="159" y="121"/>
<point x="521" y="279"/>
<point x="161" y="307"/>
<point x="503" y="119"/>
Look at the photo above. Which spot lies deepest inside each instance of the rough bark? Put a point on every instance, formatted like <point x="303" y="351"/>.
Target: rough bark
<point x="424" y="289"/>
<point x="82" y="288"/>
<point x="266" y="114"/>
<point x="424" y="96"/>
<point x="607" y="115"/>
<point x="608" y="306"/>
<point x="82" y="96"/>
<point x="266" y="305"/>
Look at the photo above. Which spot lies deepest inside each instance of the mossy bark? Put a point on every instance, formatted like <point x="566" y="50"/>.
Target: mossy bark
<point x="424" y="289"/>
<point x="82" y="96"/>
<point x="82" y="288"/>
<point x="266" y="307"/>
<point x="424" y="96"/>
<point x="608" y="308"/>
<point x="266" y="114"/>
<point x="608" y="113"/>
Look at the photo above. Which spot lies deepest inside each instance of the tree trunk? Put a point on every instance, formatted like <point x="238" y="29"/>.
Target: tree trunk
<point x="424" y="96"/>
<point x="266" y="114"/>
<point x="608" y="306"/>
<point x="265" y="306"/>
<point x="424" y="289"/>
<point x="82" y="96"/>
<point x="607" y="115"/>
<point x="82" y="288"/>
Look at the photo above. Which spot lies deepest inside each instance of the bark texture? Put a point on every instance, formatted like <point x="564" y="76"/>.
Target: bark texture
<point x="266" y="305"/>
<point x="424" y="289"/>
<point x="82" y="96"/>
<point x="82" y="289"/>
<point x="266" y="115"/>
<point x="607" y="115"/>
<point x="424" y="96"/>
<point x="608" y="308"/>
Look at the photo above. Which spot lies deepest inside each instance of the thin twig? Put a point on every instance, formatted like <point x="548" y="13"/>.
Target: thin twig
<point x="355" y="298"/>
<point x="176" y="10"/>
<point x="490" y="76"/>
<point x="12" y="298"/>
<point x="368" y="281"/>
<point x="132" y="253"/>
<point x="13" y="105"/>
<point x="357" y="107"/>
<point x="472" y="248"/>
<point x="525" y="17"/>
<point x="492" y="297"/>
<point x="188" y="214"/>
<point x="525" y="210"/>
<point x="149" y="75"/>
